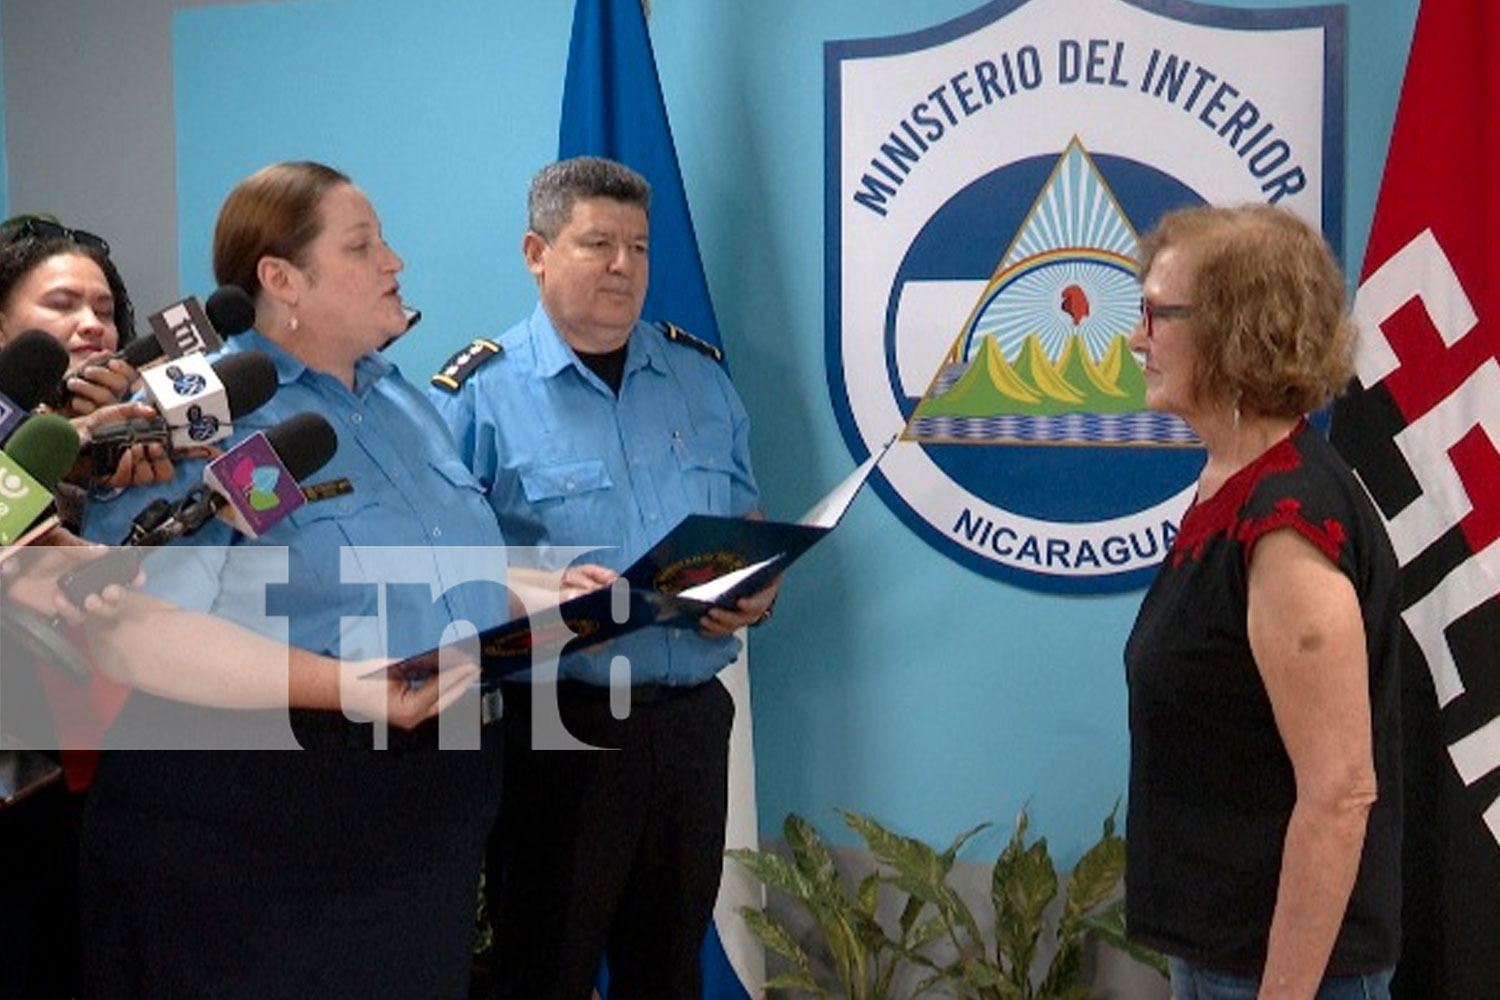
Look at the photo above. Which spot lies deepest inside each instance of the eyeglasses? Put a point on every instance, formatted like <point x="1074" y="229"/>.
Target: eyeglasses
<point x="1150" y="314"/>
<point x="37" y="227"/>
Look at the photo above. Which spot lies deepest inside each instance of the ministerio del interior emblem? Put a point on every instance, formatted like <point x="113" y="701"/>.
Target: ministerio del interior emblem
<point x="988" y="183"/>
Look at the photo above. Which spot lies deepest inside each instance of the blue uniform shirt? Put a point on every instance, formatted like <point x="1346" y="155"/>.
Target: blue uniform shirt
<point x="566" y="462"/>
<point x="409" y="489"/>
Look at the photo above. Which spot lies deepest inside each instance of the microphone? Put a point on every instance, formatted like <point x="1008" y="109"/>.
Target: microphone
<point x="253" y="485"/>
<point x="257" y="478"/>
<point x="202" y="402"/>
<point x="37" y="456"/>
<point x="413" y="317"/>
<point x="184" y="327"/>
<point x="29" y="365"/>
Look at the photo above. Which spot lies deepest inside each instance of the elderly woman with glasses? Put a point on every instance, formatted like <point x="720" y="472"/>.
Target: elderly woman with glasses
<point x="1265" y="801"/>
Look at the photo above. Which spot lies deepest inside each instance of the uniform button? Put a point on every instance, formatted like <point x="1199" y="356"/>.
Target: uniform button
<point x="651" y="518"/>
<point x="437" y="532"/>
<point x="356" y="418"/>
<point x="570" y="485"/>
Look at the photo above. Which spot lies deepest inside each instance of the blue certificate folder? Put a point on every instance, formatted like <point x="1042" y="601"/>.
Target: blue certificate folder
<point x="705" y="561"/>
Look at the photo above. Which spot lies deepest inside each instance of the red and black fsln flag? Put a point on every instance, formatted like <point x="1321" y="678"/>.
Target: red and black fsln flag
<point x="1422" y="428"/>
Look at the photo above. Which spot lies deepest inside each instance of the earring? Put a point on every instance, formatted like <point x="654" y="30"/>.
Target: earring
<point x="291" y="324"/>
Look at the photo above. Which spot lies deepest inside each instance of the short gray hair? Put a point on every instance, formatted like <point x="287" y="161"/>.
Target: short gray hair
<point x="549" y="203"/>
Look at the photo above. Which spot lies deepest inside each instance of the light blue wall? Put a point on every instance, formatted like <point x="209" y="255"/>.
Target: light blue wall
<point x="892" y="681"/>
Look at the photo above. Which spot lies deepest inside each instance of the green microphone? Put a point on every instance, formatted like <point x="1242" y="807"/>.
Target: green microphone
<point x="35" y="459"/>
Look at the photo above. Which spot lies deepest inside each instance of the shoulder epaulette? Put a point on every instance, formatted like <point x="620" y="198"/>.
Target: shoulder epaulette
<point x="465" y="363"/>
<point x="678" y="335"/>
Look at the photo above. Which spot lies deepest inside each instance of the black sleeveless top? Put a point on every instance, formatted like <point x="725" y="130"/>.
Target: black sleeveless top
<point x="1211" y="785"/>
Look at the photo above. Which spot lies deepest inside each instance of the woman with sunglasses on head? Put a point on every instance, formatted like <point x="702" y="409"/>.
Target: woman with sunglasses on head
<point x="62" y="281"/>
<point x="343" y="869"/>
<point x="1264" y="833"/>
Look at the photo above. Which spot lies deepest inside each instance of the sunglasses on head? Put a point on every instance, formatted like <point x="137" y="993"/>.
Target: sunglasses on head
<point x="36" y="227"/>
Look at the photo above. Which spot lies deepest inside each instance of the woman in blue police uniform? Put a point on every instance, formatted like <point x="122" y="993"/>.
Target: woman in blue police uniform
<point x="344" y="870"/>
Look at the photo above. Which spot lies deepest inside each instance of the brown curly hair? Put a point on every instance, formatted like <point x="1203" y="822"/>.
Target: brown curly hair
<point x="1269" y="323"/>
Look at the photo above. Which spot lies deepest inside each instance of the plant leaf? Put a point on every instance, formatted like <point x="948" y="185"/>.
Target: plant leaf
<point x="963" y="838"/>
<point x="1024" y="882"/>
<point x="1063" y="970"/>
<point x="924" y="934"/>
<point x="827" y="900"/>
<point x="989" y="981"/>
<point x="797" y="981"/>
<point x="868" y="895"/>
<point x="916" y="869"/>
<point x="909" y="916"/>
<point x="775" y="871"/>
<point x="812" y="858"/>
<point x="1109" y="924"/>
<point x="774" y="936"/>
<point x="1097" y="874"/>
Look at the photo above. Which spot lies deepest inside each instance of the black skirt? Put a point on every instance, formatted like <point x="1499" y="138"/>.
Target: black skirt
<point x="336" y="871"/>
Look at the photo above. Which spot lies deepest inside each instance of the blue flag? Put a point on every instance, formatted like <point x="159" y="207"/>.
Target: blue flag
<point x="612" y="107"/>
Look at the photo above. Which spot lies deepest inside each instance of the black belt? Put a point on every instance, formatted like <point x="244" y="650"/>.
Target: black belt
<point x="640" y="694"/>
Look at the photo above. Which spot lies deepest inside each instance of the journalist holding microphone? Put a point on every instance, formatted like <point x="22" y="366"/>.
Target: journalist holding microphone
<point x="62" y="281"/>
<point x="64" y="312"/>
<point x="341" y="870"/>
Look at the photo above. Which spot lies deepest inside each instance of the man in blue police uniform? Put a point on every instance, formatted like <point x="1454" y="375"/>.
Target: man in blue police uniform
<point x="588" y="427"/>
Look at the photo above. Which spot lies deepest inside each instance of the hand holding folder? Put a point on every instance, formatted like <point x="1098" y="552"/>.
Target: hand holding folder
<point x="706" y="561"/>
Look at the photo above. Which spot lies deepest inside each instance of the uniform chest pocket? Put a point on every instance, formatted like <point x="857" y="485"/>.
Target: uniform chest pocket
<point x="704" y="465"/>
<point x="565" y="480"/>
<point x="318" y="532"/>
<point x="571" y="502"/>
<point x="337" y="521"/>
<point x="465" y="515"/>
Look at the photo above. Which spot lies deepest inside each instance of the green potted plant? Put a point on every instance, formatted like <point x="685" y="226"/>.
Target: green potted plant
<point x="936" y="934"/>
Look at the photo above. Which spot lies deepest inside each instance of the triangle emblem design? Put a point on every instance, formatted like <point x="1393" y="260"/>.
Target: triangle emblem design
<point x="1042" y="357"/>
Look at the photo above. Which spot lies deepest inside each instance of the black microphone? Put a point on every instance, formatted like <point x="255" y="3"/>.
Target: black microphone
<point x="228" y="311"/>
<point x="30" y="365"/>
<point x="249" y="380"/>
<point x="184" y="327"/>
<point x="413" y="317"/>
<point x="298" y="446"/>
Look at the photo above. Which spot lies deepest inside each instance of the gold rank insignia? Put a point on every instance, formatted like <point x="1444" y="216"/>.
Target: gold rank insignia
<point x="678" y="335"/>
<point x="463" y="364"/>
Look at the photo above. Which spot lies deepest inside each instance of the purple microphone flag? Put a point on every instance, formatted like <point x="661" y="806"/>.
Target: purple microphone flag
<point x="258" y="486"/>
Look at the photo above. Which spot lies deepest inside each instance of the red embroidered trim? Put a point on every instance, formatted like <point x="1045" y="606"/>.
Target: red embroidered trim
<point x="1328" y="538"/>
<point x="1218" y="516"/>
